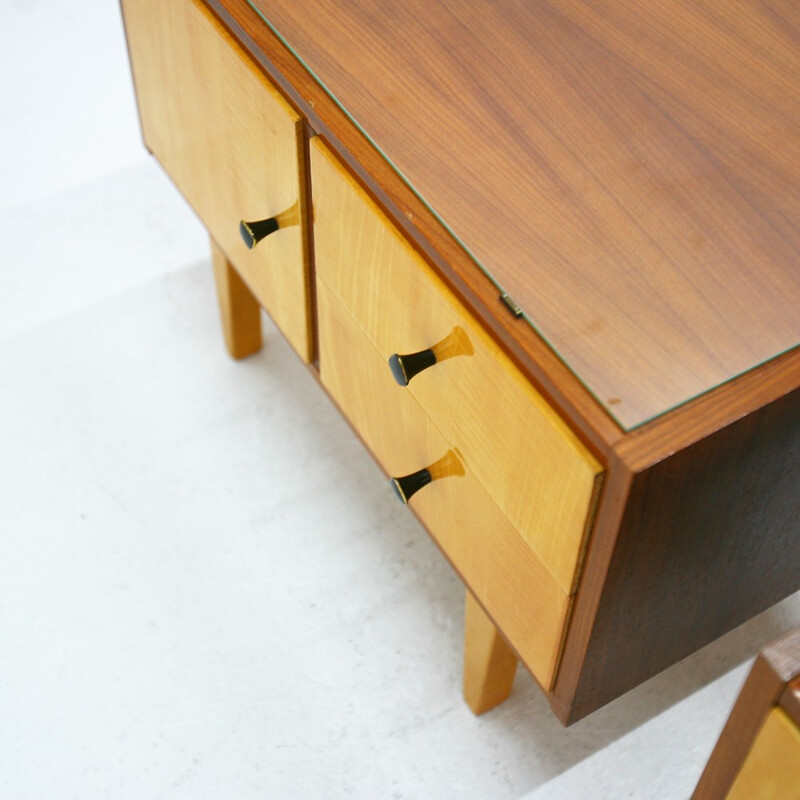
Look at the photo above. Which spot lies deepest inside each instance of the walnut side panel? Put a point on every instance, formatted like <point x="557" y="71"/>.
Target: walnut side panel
<point x="709" y="538"/>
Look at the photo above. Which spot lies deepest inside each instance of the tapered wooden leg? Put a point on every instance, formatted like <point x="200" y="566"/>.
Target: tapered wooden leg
<point x="239" y="309"/>
<point x="489" y="663"/>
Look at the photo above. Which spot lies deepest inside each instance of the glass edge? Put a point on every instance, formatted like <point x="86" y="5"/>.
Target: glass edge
<point x="680" y="403"/>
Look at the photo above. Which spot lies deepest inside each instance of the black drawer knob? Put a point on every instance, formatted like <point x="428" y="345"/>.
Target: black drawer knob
<point x="407" y="486"/>
<point x="405" y="367"/>
<point x="253" y="232"/>
<point x="447" y="466"/>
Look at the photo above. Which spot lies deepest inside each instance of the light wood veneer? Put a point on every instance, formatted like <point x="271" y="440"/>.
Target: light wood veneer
<point x="489" y="663"/>
<point x="239" y="309"/>
<point x="498" y="566"/>
<point x="231" y="143"/>
<point x="771" y="770"/>
<point x="529" y="461"/>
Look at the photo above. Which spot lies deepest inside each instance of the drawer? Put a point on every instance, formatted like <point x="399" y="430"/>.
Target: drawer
<point x="524" y="455"/>
<point x="771" y="770"/>
<point x="501" y="570"/>
<point x="232" y="145"/>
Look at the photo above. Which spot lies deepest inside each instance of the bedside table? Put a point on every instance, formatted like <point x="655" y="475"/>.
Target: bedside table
<point x="546" y="260"/>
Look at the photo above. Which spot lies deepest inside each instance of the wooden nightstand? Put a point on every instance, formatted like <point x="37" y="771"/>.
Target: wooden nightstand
<point x="546" y="260"/>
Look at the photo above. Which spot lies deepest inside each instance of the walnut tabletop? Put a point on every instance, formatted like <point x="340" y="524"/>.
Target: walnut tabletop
<point x="628" y="173"/>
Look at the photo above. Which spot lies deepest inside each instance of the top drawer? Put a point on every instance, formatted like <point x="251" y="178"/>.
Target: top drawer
<point x="232" y="145"/>
<point x="520" y="450"/>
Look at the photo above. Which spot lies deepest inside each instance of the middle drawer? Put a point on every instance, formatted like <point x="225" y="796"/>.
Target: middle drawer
<point x="524" y="455"/>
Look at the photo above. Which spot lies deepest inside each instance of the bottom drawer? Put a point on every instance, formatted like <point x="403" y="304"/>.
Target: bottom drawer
<point x="500" y="569"/>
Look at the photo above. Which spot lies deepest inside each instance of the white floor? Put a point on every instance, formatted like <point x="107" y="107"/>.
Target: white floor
<point x="206" y="588"/>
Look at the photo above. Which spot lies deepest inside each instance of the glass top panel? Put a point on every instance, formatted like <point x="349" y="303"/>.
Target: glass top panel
<point x="628" y="173"/>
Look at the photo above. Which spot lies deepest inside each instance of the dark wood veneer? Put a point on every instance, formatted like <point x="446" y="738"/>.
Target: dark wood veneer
<point x="709" y="537"/>
<point x="675" y="440"/>
<point x="627" y="172"/>
<point x="790" y="699"/>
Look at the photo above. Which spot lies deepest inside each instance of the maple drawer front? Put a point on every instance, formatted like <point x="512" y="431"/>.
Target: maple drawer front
<point x="519" y="449"/>
<point x="232" y="145"/>
<point x="501" y="570"/>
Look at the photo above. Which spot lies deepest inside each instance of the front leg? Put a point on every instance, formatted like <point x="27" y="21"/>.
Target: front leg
<point x="239" y="309"/>
<point x="489" y="663"/>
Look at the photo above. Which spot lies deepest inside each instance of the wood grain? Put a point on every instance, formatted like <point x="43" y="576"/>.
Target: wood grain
<point x="698" y="544"/>
<point x="723" y="413"/>
<point x="628" y="175"/>
<point x="524" y="455"/>
<point x="636" y="454"/>
<point x="500" y="569"/>
<point x="790" y="699"/>
<point x="771" y="770"/>
<point x="526" y="348"/>
<point x="232" y="145"/>
<point x="489" y="663"/>
<point x="597" y="562"/>
<point x="239" y="310"/>
<point x="707" y="415"/>
<point x="765" y="686"/>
